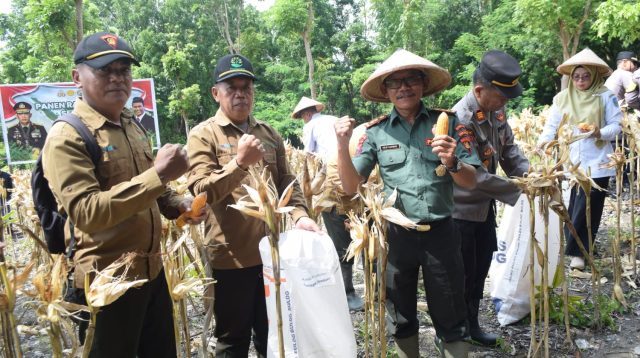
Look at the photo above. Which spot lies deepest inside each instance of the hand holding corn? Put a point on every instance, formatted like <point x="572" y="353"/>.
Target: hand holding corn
<point x="193" y="210"/>
<point x="443" y="145"/>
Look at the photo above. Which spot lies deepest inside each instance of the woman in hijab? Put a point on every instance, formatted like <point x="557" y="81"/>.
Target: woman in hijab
<point x="589" y="107"/>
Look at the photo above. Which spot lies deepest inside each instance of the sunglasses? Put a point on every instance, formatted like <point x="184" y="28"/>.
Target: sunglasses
<point x="395" y="83"/>
<point x="585" y="77"/>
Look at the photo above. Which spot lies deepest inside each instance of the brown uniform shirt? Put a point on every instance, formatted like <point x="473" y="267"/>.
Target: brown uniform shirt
<point x="117" y="209"/>
<point x="232" y="238"/>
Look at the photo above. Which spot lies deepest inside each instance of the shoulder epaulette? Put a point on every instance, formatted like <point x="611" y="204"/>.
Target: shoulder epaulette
<point x="376" y="121"/>
<point x="449" y="111"/>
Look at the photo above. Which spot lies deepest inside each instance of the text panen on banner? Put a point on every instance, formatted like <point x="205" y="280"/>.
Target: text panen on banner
<point x="24" y="133"/>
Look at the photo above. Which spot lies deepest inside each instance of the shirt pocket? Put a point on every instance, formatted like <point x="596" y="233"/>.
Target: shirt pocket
<point x="270" y="161"/>
<point x="393" y="166"/>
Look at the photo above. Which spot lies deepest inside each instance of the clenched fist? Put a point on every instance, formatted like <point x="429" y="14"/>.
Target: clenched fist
<point x="344" y="130"/>
<point x="171" y="162"/>
<point x="250" y="151"/>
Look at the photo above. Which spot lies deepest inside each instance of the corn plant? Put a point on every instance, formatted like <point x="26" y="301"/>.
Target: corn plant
<point x="265" y="204"/>
<point x="370" y="241"/>
<point x="51" y="308"/>
<point x="617" y="160"/>
<point x="10" y="285"/>
<point x="543" y="182"/>
<point x="106" y="287"/>
<point x="180" y="286"/>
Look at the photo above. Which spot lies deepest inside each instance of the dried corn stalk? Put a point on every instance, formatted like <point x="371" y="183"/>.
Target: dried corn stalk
<point x="180" y="286"/>
<point x="51" y="308"/>
<point x="10" y="284"/>
<point x="370" y="241"/>
<point x="265" y="204"/>
<point x="107" y="286"/>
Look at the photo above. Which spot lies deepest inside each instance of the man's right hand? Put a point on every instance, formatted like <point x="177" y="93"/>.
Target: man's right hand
<point x="250" y="151"/>
<point x="171" y="162"/>
<point x="344" y="130"/>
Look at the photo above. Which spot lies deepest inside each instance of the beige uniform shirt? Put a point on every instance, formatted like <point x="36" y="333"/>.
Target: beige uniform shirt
<point x="231" y="237"/>
<point x="115" y="210"/>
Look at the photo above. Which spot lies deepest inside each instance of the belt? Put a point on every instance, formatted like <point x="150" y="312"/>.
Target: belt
<point x="434" y="222"/>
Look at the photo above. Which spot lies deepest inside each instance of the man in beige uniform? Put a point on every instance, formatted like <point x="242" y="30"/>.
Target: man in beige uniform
<point x="115" y="207"/>
<point x="221" y="149"/>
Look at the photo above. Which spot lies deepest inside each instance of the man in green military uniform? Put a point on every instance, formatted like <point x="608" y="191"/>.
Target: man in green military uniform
<point x="26" y="134"/>
<point x="408" y="153"/>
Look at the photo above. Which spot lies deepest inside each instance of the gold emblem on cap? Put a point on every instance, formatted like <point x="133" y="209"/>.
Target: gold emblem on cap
<point x="111" y="40"/>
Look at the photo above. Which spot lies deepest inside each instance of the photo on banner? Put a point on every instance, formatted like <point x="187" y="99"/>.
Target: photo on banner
<point x="27" y="112"/>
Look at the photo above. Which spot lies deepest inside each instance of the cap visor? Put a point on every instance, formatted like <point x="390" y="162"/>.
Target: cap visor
<point x="510" y="92"/>
<point x="237" y="74"/>
<point x="105" y="60"/>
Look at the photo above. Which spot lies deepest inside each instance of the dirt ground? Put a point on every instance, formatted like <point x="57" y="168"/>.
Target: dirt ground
<point x="622" y="340"/>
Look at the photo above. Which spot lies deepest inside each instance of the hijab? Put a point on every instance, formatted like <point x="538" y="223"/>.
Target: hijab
<point x="583" y="106"/>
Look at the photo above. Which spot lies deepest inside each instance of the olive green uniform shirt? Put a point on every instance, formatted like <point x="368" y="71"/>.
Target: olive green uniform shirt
<point x="116" y="208"/>
<point x="407" y="163"/>
<point x="232" y="238"/>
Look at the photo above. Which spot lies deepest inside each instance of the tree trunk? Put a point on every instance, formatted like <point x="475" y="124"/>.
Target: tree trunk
<point x="79" y="22"/>
<point x="570" y="41"/>
<point x="306" y="38"/>
<point x="222" y="15"/>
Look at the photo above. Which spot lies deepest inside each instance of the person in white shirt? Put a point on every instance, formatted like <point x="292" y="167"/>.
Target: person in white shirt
<point x="586" y="100"/>
<point x="319" y="138"/>
<point x="318" y="133"/>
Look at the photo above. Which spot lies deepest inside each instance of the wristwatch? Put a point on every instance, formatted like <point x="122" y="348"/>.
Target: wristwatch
<point x="457" y="165"/>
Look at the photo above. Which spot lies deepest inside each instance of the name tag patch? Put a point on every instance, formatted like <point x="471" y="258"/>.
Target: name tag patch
<point x="390" y="147"/>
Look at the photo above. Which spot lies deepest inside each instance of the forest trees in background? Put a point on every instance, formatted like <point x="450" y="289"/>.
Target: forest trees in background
<point x="321" y="48"/>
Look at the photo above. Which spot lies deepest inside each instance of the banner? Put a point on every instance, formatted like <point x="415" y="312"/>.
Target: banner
<point x="27" y="112"/>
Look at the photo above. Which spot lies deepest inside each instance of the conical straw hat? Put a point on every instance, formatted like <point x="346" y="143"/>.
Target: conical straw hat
<point x="585" y="57"/>
<point x="306" y="102"/>
<point x="437" y="77"/>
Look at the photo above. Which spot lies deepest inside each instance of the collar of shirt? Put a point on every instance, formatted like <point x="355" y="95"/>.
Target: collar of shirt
<point x="93" y="118"/>
<point x="394" y="115"/>
<point x="315" y="115"/>
<point x="222" y="119"/>
<point x="473" y="106"/>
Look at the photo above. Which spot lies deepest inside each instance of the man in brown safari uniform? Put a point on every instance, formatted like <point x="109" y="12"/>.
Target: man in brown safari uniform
<point x="221" y="149"/>
<point x="115" y="207"/>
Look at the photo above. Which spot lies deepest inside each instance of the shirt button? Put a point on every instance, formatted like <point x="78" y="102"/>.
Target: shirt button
<point x="391" y="160"/>
<point x="419" y="176"/>
<point x="415" y="157"/>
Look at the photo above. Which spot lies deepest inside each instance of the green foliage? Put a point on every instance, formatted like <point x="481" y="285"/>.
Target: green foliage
<point x="618" y="20"/>
<point x="581" y="311"/>
<point x="179" y="41"/>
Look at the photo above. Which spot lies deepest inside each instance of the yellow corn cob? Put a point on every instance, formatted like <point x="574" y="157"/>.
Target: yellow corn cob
<point x="442" y="126"/>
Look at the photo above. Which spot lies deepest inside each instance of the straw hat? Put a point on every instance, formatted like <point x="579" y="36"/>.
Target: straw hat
<point x="437" y="77"/>
<point x="584" y="57"/>
<point x="306" y="102"/>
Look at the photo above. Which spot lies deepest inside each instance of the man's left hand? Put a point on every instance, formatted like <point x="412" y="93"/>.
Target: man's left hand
<point x="305" y="223"/>
<point x="445" y="147"/>
<point x="194" y="218"/>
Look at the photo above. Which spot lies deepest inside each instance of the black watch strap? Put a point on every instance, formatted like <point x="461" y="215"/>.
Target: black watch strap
<point x="457" y="165"/>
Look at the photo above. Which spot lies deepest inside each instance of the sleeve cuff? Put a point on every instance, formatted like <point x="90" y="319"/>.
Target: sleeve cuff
<point x="298" y="213"/>
<point x="151" y="180"/>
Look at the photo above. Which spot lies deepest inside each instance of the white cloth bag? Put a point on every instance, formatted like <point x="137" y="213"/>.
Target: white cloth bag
<point x="316" y="320"/>
<point x="510" y="269"/>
